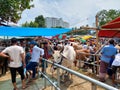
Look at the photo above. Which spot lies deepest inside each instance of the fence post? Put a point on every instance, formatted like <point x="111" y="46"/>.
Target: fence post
<point x="79" y="63"/>
<point x="94" y="65"/>
<point x="58" y="76"/>
<point x="93" y="86"/>
<point x="44" y="62"/>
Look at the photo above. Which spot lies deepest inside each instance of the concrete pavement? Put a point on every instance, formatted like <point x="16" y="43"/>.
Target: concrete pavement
<point x="6" y="84"/>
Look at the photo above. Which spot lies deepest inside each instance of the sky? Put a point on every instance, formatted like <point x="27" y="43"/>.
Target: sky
<point x="76" y="12"/>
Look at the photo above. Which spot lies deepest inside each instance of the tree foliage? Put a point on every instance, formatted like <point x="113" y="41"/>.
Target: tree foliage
<point x="57" y="27"/>
<point x="31" y="24"/>
<point x="79" y="31"/>
<point x="106" y="16"/>
<point x="11" y="10"/>
<point x="40" y="20"/>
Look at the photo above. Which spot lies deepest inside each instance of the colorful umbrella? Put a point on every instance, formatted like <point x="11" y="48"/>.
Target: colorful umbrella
<point x="82" y="40"/>
<point x="87" y="37"/>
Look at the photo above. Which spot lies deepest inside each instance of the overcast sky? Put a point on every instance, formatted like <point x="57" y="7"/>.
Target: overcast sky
<point x="76" y="12"/>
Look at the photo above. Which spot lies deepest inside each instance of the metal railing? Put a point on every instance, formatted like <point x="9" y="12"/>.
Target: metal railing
<point x="91" y="61"/>
<point x="94" y="83"/>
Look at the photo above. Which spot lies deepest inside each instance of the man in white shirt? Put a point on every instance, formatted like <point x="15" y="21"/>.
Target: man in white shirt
<point x="115" y="66"/>
<point x="36" y="55"/>
<point x="17" y="61"/>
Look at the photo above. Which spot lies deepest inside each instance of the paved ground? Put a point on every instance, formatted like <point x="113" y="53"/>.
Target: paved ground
<point x="5" y="83"/>
<point x="76" y="84"/>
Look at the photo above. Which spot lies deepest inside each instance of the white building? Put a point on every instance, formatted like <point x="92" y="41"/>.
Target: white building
<point x="55" y="22"/>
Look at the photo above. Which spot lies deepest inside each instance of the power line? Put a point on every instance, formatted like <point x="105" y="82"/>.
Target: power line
<point x="79" y="22"/>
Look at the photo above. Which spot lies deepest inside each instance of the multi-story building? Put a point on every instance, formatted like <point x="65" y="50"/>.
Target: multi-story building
<point x="55" y="22"/>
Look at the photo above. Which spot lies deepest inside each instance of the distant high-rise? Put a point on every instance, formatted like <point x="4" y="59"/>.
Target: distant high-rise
<point x="55" y="22"/>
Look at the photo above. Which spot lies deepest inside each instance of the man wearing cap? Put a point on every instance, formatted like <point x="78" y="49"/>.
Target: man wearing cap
<point x="36" y="55"/>
<point x="16" y="55"/>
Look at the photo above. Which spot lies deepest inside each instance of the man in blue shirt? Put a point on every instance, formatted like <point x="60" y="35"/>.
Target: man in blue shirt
<point x="108" y="52"/>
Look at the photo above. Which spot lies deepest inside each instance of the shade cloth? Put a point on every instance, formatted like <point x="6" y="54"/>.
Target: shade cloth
<point x="110" y="29"/>
<point x="27" y="31"/>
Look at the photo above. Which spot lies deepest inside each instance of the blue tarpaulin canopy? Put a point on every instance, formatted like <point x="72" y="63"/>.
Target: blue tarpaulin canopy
<point x="27" y="31"/>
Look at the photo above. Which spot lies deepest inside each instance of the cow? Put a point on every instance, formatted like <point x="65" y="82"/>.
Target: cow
<point x="3" y="63"/>
<point x="86" y="55"/>
<point x="66" y="58"/>
<point x="71" y="54"/>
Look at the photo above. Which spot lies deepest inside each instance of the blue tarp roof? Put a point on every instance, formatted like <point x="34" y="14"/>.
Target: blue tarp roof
<point x="27" y="31"/>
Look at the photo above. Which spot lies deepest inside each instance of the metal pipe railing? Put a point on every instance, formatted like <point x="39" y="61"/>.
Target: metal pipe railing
<point x="93" y="81"/>
<point x="47" y="78"/>
<point x="95" y="61"/>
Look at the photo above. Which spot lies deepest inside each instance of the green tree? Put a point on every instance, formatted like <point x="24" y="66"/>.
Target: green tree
<point x="40" y="20"/>
<point x="57" y="27"/>
<point x="105" y="16"/>
<point x="26" y="24"/>
<point x="11" y="10"/>
<point x="31" y="24"/>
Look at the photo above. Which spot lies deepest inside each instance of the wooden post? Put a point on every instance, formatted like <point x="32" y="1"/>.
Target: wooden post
<point x="97" y="32"/>
<point x="97" y="43"/>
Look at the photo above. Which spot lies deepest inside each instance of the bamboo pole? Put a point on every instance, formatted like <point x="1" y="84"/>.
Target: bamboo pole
<point x="97" y="43"/>
<point x="97" y="38"/>
<point x="94" y="28"/>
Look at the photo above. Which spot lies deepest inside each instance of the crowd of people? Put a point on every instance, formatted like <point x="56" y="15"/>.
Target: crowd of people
<point x="28" y="54"/>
